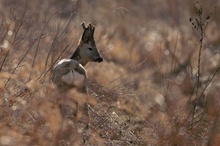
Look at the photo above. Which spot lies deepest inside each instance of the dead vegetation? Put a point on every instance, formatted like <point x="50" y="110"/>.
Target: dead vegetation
<point x="158" y="84"/>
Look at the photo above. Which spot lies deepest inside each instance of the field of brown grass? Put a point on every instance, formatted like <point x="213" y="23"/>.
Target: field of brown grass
<point x="158" y="84"/>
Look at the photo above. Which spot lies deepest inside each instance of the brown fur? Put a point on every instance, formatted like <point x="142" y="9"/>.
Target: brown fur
<point x="65" y="72"/>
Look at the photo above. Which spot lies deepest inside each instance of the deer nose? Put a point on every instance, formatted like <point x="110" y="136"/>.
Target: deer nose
<point x="99" y="59"/>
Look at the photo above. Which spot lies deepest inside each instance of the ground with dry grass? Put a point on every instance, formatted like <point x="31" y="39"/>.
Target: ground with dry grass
<point x="149" y="90"/>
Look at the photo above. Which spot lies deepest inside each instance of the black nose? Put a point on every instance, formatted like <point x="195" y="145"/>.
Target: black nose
<point x="99" y="59"/>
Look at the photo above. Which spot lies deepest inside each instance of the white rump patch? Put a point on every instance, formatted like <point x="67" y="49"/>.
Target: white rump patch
<point x="74" y="78"/>
<point x="78" y="79"/>
<point x="62" y="61"/>
<point x="68" y="78"/>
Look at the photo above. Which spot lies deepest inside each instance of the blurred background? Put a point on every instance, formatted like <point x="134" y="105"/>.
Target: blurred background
<point x="145" y="92"/>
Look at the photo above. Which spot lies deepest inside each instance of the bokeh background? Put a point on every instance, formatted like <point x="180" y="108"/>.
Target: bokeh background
<point x="144" y="93"/>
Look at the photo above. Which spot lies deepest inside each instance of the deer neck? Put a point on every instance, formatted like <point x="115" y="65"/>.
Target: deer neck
<point x="76" y="56"/>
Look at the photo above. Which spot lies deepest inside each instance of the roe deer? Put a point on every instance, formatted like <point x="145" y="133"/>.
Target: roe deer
<point x="68" y="73"/>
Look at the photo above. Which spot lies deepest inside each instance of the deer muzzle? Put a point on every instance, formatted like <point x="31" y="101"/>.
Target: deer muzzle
<point x="100" y="59"/>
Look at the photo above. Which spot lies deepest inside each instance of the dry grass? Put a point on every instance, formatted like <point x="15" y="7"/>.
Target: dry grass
<point x="144" y="93"/>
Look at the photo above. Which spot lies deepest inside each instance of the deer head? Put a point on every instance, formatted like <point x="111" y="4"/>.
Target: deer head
<point x="86" y="50"/>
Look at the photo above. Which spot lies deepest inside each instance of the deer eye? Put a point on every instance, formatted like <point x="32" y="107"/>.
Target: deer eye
<point x="90" y="49"/>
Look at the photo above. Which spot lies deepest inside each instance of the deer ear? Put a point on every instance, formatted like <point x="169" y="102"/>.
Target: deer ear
<point x="83" y="25"/>
<point x="92" y="32"/>
<point x="88" y="34"/>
